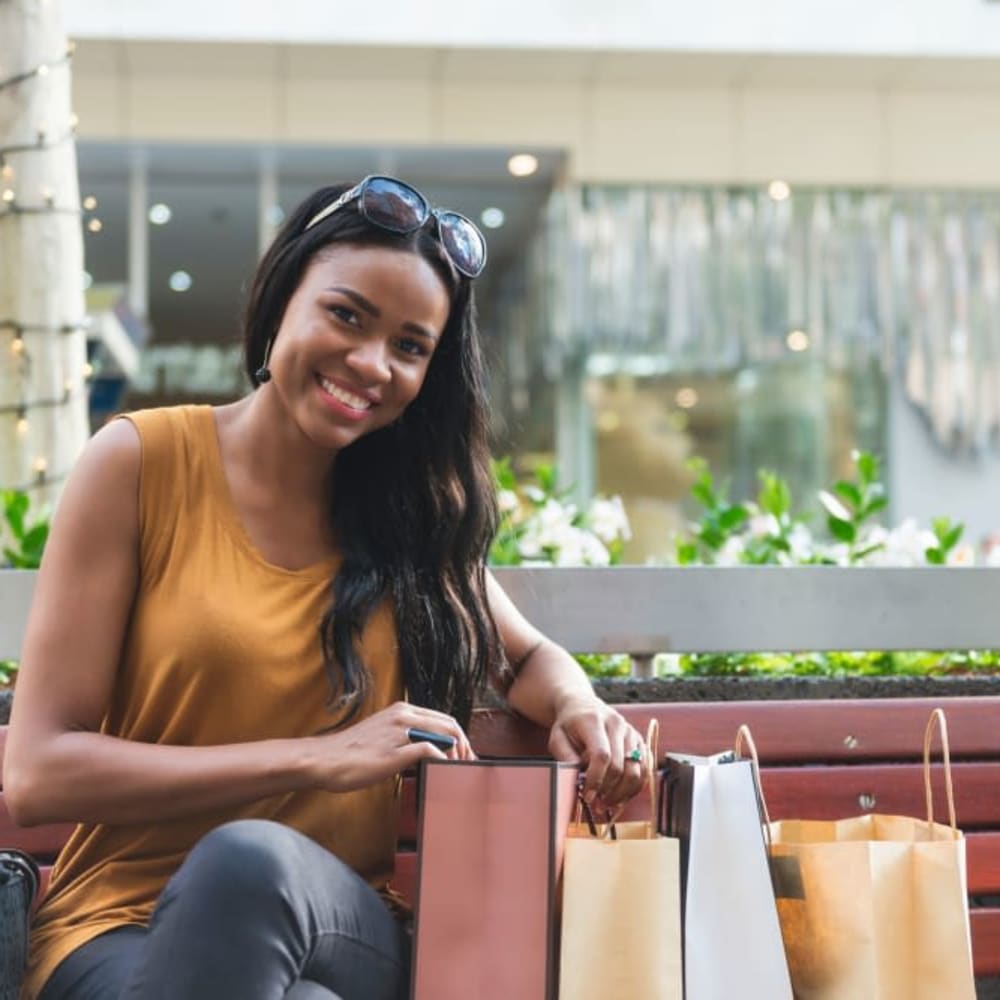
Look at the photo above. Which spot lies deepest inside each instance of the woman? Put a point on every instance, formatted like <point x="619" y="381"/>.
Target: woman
<point x="242" y="613"/>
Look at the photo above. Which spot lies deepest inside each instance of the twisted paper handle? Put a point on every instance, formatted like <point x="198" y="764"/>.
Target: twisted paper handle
<point x="937" y="716"/>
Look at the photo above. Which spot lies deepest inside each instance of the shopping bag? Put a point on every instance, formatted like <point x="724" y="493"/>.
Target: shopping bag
<point x="621" y="917"/>
<point x="732" y="940"/>
<point x="490" y="849"/>
<point x="19" y="879"/>
<point x="875" y="906"/>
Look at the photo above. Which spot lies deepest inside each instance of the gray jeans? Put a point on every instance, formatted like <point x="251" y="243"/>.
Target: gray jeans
<point x="257" y="911"/>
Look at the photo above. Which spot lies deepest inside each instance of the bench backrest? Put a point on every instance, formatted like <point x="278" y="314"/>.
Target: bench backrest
<point x="643" y="610"/>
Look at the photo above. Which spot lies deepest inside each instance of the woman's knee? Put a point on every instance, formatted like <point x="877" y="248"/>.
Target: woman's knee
<point x="246" y="857"/>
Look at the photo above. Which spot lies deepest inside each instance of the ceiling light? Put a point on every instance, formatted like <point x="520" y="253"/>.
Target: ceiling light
<point x="797" y="340"/>
<point x="95" y="225"/>
<point x="522" y="164"/>
<point x="779" y="190"/>
<point x="160" y="214"/>
<point x="686" y="398"/>
<point x="180" y="281"/>
<point x="493" y="218"/>
<point x="90" y="203"/>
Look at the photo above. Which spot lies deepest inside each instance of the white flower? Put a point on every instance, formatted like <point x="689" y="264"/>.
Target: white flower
<point x="801" y="543"/>
<point x="594" y="552"/>
<point x="667" y="664"/>
<point x="763" y="526"/>
<point x="507" y="501"/>
<point x="608" y="520"/>
<point x="907" y="545"/>
<point x="731" y="552"/>
<point x="534" y="493"/>
<point x="529" y="546"/>
<point x="962" y="555"/>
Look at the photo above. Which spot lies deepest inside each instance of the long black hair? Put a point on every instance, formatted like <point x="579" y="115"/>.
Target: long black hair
<point x="415" y="522"/>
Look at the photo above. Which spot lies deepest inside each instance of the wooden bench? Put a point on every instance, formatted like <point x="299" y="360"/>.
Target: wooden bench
<point x="820" y="759"/>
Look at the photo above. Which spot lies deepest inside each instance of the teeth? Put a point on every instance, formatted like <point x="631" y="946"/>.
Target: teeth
<point x="348" y="398"/>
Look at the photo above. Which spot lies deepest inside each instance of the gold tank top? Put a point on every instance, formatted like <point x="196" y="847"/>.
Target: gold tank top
<point x="221" y="647"/>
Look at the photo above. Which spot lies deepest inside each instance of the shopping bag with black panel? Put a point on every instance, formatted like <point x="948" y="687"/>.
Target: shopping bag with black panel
<point x="732" y="942"/>
<point x="19" y="881"/>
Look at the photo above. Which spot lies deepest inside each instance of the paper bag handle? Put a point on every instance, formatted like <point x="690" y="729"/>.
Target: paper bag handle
<point x="937" y="716"/>
<point x="583" y="810"/>
<point x="743" y="736"/>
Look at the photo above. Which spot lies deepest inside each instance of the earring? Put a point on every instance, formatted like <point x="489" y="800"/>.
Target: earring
<point x="263" y="374"/>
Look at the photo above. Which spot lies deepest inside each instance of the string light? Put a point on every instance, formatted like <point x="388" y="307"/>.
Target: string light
<point x="42" y="142"/>
<point x="41" y="70"/>
<point x="20" y="328"/>
<point x="10" y="204"/>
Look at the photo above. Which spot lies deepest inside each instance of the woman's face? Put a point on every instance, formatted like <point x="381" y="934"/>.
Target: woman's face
<point x="356" y="341"/>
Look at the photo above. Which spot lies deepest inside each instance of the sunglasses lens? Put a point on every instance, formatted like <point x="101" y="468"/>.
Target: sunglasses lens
<point x="393" y="205"/>
<point x="464" y="243"/>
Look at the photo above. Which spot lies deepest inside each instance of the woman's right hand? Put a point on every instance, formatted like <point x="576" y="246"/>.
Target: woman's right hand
<point x="378" y="747"/>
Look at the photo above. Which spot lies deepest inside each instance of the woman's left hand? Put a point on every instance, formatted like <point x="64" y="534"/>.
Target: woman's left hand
<point x="593" y="734"/>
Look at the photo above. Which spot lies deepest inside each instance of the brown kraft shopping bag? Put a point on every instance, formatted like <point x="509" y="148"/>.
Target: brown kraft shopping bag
<point x="875" y="906"/>
<point x="621" y="919"/>
<point x="490" y="848"/>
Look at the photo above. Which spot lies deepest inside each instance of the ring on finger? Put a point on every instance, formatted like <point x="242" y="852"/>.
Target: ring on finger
<point x="635" y="756"/>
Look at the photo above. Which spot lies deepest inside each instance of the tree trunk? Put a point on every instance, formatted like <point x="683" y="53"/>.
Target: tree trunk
<point x="43" y="389"/>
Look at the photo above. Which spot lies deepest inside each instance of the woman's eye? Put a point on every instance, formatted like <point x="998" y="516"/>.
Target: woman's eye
<point x="412" y="347"/>
<point x="345" y="314"/>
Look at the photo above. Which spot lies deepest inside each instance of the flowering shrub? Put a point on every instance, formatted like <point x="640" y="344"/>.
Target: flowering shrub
<point x="767" y="532"/>
<point x="539" y="526"/>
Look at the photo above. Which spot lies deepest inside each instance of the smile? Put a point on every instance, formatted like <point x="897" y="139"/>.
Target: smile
<point x="349" y="399"/>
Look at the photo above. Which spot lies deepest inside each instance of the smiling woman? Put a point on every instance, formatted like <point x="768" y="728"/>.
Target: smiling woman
<point x="289" y="586"/>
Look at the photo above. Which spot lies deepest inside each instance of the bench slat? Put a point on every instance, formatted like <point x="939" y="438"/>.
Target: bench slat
<point x="986" y="941"/>
<point x="835" y="731"/>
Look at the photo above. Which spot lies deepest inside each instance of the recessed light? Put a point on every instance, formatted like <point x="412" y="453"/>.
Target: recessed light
<point x="160" y="214"/>
<point x="779" y="190"/>
<point x="493" y="218"/>
<point x="797" y="340"/>
<point x="686" y="398"/>
<point x="95" y="225"/>
<point x="90" y="203"/>
<point x="180" y="281"/>
<point x="522" y="164"/>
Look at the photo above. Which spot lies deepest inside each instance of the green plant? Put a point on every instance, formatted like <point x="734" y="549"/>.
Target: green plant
<point x="27" y="536"/>
<point x="23" y="539"/>
<point x="851" y="506"/>
<point x="540" y="526"/>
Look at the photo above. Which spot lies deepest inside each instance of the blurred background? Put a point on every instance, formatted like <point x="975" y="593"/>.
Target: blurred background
<point x="766" y="233"/>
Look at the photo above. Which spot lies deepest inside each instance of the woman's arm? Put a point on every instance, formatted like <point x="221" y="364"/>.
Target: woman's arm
<point x="59" y="767"/>
<point x="551" y="689"/>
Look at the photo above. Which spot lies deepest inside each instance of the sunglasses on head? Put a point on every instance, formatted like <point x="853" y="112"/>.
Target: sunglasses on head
<point x="391" y="204"/>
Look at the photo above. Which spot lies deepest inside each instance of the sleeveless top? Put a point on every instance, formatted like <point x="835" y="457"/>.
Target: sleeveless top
<point x="221" y="647"/>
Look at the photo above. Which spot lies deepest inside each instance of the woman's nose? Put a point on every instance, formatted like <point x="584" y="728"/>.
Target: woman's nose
<point x="371" y="360"/>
